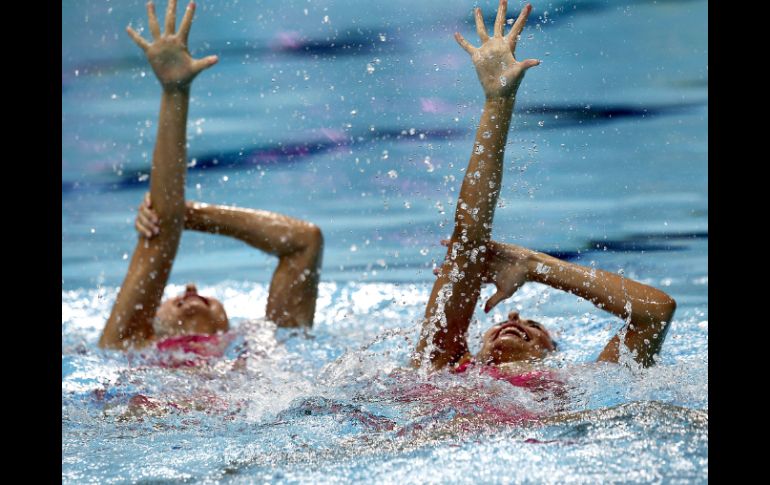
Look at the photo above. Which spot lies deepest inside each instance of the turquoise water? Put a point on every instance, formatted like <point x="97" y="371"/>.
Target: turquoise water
<point x="365" y="130"/>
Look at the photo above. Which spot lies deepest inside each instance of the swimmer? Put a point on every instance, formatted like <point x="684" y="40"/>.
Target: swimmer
<point x="138" y="316"/>
<point x="473" y="259"/>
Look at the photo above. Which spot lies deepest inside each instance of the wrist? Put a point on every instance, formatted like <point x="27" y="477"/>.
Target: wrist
<point x="176" y="90"/>
<point x="504" y="102"/>
<point x="538" y="268"/>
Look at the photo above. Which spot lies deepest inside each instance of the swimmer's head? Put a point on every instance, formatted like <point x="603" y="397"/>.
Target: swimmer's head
<point x="190" y="313"/>
<point x="515" y="340"/>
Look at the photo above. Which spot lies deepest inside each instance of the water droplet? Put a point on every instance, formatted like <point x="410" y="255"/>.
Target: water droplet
<point x="428" y="164"/>
<point x="125" y="256"/>
<point x="424" y="251"/>
<point x="393" y="174"/>
<point x="486" y="134"/>
<point x="93" y="230"/>
<point x="541" y="123"/>
<point x="326" y="19"/>
<point x="479" y="149"/>
<point x="225" y="178"/>
<point x="384" y="155"/>
<point x="383" y="38"/>
<point x="353" y="248"/>
<point x="503" y="81"/>
<point x="407" y="204"/>
<point x="369" y="68"/>
<point x="353" y="112"/>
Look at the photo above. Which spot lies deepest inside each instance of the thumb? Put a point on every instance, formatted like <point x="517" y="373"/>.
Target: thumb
<point x="202" y="64"/>
<point x="494" y="300"/>
<point x="529" y="63"/>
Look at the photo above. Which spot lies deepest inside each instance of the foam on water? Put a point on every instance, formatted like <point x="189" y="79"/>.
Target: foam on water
<point x="338" y="403"/>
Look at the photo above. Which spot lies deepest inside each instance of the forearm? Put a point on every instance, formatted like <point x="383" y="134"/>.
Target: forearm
<point x="483" y="178"/>
<point x="647" y="310"/>
<point x="620" y="296"/>
<point x="273" y="233"/>
<point x="167" y="181"/>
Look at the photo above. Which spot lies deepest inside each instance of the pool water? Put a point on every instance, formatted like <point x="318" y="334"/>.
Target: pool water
<point x="360" y="117"/>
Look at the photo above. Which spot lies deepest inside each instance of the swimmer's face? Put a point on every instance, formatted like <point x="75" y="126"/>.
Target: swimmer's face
<point x="190" y="313"/>
<point x="515" y="340"/>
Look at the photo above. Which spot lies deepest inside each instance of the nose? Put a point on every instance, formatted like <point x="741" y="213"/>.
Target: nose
<point x="513" y="316"/>
<point x="190" y="288"/>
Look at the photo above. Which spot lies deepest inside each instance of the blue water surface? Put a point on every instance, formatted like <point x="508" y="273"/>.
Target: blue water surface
<point x="360" y="117"/>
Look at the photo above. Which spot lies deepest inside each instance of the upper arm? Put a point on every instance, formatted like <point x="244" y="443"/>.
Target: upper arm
<point x="131" y="320"/>
<point x="643" y="335"/>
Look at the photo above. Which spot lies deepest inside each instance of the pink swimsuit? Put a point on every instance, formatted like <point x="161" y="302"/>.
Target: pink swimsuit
<point x="537" y="380"/>
<point x="191" y="350"/>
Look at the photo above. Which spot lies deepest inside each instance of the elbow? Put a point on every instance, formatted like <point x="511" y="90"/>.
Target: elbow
<point x="313" y="241"/>
<point x="661" y="307"/>
<point x="669" y="308"/>
<point x="661" y="318"/>
<point x="315" y="237"/>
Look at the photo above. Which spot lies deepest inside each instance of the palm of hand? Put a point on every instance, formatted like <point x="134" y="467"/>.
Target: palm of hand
<point x="499" y="72"/>
<point x="172" y="63"/>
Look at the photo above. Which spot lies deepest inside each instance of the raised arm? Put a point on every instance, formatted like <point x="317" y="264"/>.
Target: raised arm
<point x="456" y="290"/>
<point x="130" y="322"/>
<point x="297" y="244"/>
<point x="648" y="311"/>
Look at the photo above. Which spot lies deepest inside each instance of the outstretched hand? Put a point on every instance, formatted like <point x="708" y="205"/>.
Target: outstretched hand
<point x="507" y="271"/>
<point x="168" y="54"/>
<point x="499" y="72"/>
